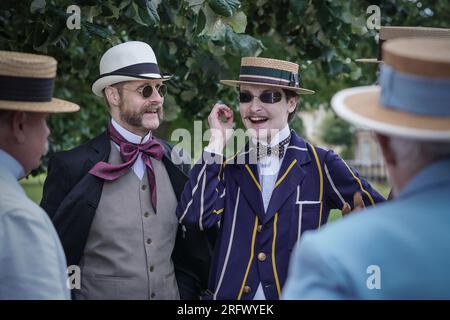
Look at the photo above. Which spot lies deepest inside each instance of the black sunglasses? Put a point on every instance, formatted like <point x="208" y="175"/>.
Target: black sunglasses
<point x="265" y="97"/>
<point x="147" y="90"/>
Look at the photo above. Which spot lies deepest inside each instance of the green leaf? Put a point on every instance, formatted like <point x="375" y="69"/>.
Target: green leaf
<point x="124" y="4"/>
<point x="214" y="27"/>
<point x="152" y="9"/>
<point x="37" y="6"/>
<point x="106" y="11"/>
<point x="189" y="94"/>
<point x="224" y="8"/>
<point x="93" y="11"/>
<point x="40" y="36"/>
<point x="243" y="45"/>
<point x="201" y="22"/>
<point x="172" y="48"/>
<point x="96" y="29"/>
<point x="171" y="109"/>
<point x="111" y="10"/>
<point x="298" y="7"/>
<point x="56" y="32"/>
<point x="132" y="12"/>
<point x="195" y="5"/>
<point x="238" y="22"/>
<point x="148" y="11"/>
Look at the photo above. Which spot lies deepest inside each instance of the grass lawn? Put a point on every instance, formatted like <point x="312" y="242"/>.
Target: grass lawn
<point x="33" y="187"/>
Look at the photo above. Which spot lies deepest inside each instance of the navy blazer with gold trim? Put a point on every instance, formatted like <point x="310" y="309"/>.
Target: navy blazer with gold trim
<point x="254" y="246"/>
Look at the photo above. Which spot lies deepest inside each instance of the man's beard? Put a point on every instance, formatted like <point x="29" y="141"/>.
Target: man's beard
<point x="134" y="118"/>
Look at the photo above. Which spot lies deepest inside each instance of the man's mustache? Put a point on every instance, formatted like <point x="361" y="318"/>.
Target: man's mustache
<point x="151" y="108"/>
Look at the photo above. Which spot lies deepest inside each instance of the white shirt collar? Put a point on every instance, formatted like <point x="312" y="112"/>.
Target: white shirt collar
<point x="12" y="165"/>
<point x="280" y="136"/>
<point x="129" y="136"/>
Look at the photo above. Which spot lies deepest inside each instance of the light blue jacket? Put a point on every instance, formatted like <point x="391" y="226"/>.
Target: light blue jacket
<point x="32" y="261"/>
<point x="401" y="246"/>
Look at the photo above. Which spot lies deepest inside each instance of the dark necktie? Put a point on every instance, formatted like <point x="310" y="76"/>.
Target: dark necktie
<point x="129" y="153"/>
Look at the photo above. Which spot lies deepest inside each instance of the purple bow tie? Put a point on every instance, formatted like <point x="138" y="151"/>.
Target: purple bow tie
<point x="129" y="152"/>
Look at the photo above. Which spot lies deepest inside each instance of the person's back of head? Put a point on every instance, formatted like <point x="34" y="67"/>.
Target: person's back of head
<point x="410" y="110"/>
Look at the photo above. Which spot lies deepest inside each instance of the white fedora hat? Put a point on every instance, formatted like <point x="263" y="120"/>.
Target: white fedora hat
<point x="413" y="99"/>
<point x="129" y="61"/>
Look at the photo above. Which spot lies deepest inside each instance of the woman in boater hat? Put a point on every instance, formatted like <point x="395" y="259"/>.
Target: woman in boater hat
<point x="268" y="194"/>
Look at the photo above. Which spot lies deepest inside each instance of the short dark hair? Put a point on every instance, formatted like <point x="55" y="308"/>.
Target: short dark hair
<point x="290" y="94"/>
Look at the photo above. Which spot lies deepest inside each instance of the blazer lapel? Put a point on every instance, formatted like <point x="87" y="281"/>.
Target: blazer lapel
<point x="291" y="174"/>
<point x="246" y="177"/>
<point x="177" y="177"/>
<point x="99" y="151"/>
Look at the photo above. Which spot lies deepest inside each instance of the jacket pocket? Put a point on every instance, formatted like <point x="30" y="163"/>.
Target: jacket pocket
<point x="309" y="215"/>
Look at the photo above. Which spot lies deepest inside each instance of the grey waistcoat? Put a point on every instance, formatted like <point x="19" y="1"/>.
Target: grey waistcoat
<point x="129" y="247"/>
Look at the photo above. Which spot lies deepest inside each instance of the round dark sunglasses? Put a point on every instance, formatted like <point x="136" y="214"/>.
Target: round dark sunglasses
<point x="147" y="90"/>
<point x="265" y="97"/>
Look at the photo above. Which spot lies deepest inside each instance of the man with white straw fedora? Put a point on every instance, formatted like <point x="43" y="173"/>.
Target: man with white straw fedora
<point x="398" y="250"/>
<point x="113" y="199"/>
<point x="32" y="261"/>
<point x="268" y="194"/>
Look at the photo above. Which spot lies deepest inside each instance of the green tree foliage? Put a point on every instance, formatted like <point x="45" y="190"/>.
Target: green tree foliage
<point x="200" y="42"/>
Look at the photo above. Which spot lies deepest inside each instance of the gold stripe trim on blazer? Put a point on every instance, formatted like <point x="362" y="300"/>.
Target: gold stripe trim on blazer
<point x="274" y="265"/>
<point x="285" y="174"/>
<point x="360" y="184"/>
<point x="319" y="168"/>
<point x="253" y="177"/>
<point x="252" y="253"/>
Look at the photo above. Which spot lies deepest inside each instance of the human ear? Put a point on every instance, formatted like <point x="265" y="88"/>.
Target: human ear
<point x="18" y="126"/>
<point x="112" y="95"/>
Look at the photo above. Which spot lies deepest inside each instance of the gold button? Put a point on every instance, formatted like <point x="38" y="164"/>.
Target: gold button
<point x="262" y="256"/>
<point x="247" y="289"/>
<point x="144" y="186"/>
<point x="260" y="228"/>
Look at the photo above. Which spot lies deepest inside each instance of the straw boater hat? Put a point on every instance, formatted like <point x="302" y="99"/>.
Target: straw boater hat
<point x="269" y="72"/>
<point x="413" y="99"/>
<point x="27" y="82"/>
<point x="389" y="33"/>
<point x="129" y="61"/>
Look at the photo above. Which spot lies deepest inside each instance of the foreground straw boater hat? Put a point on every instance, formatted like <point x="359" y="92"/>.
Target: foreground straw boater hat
<point x="389" y="33"/>
<point x="413" y="99"/>
<point x="27" y="82"/>
<point x="269" y="72"/>
<point x="129" y="61"/>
